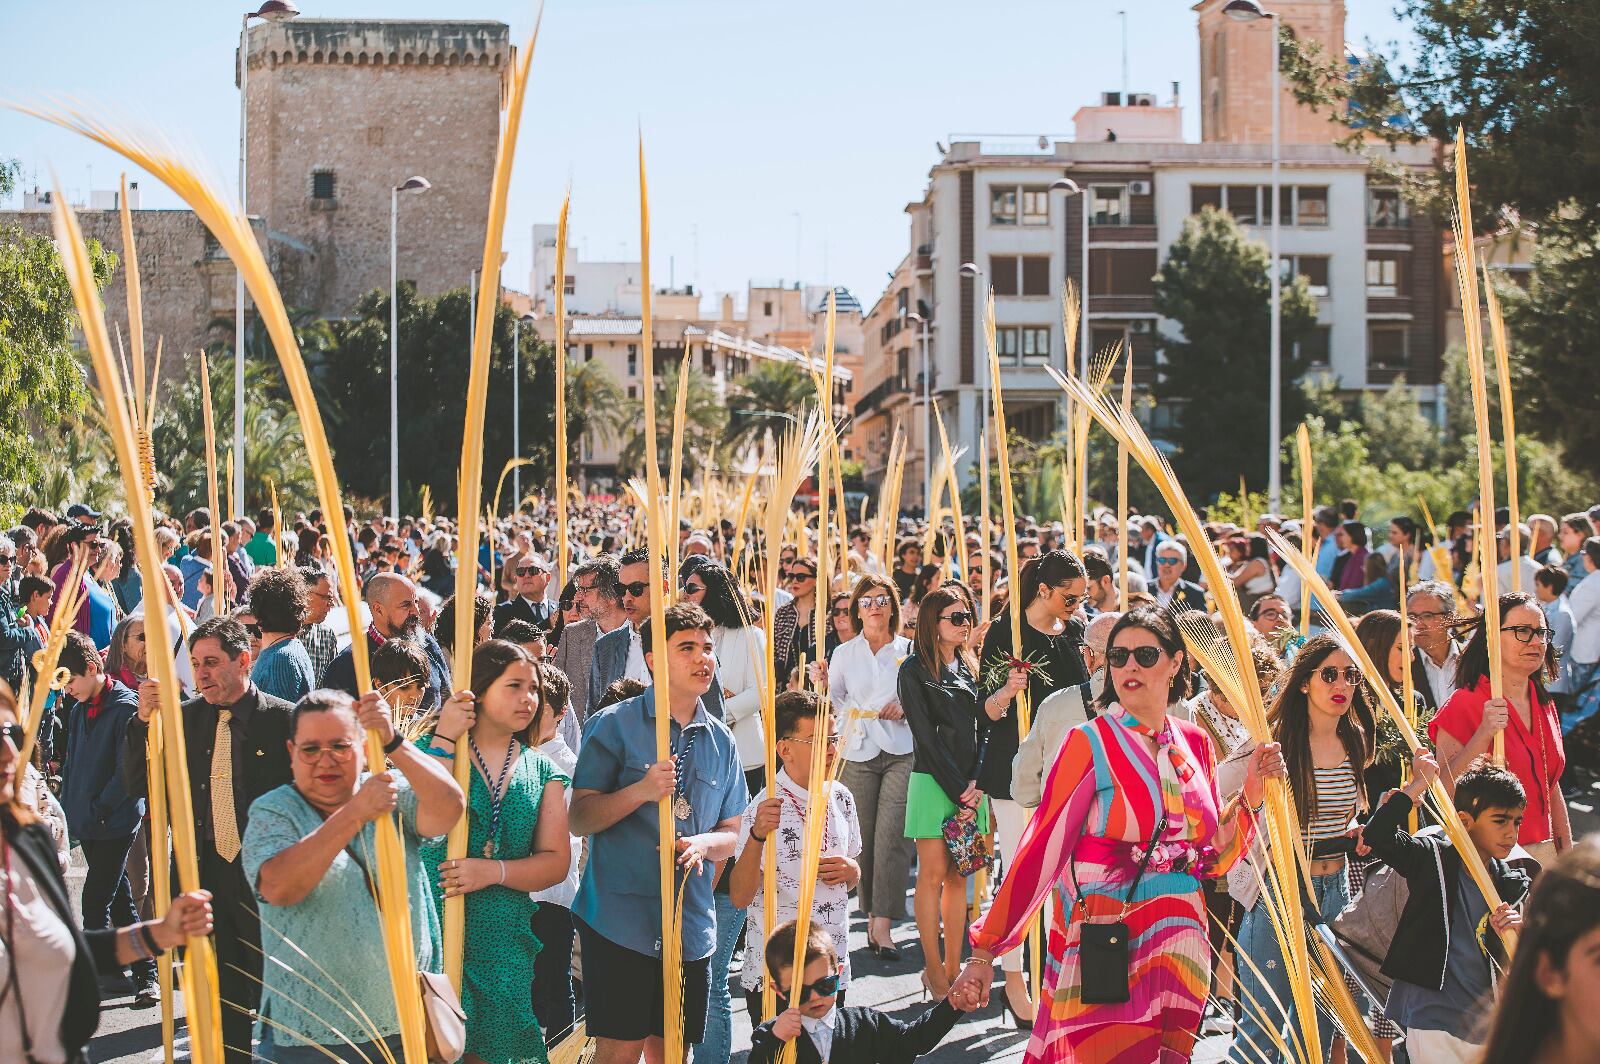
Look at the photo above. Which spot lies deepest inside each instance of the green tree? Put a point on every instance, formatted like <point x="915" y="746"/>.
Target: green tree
<point x="352" y="380"/>
<point x="704" y="418"/>
<point x="1397" y="432"/>
<point x="595" y="405"/>
<point x="42" y="383"/>
<point x="1214" y="284"/>
<point x="274" y="445"/>
<point x="768" y="394"/>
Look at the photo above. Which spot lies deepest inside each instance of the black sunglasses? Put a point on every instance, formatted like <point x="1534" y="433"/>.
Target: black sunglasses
<point x="960" y="618"/>
<point x="1145" y="656"/>
<point x="693" y="589"/>
<point x="638" y="589"/>
<point x="253" y="629"/>
<point x="14" y="734"/>
<point x="1331" y="674"/>
<point x="827" y="986"/>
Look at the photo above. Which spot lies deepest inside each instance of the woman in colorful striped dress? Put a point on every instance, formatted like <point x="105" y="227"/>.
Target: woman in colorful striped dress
<point x="1131" y="775"/>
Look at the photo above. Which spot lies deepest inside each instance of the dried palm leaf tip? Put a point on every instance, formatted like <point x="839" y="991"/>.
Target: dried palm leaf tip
<point x="200" y="972"/>
<point x="1302" y="445"/>
<point x="563" y="549"/>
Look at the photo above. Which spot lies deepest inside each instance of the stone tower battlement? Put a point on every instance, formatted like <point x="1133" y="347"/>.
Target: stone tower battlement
<point x="380" y="42"/>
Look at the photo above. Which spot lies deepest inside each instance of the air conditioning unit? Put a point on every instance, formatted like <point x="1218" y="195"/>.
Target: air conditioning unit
<point x="1141" y="99"/>
<point x="1138" y="188"/>
<point x="1139" y="326"/>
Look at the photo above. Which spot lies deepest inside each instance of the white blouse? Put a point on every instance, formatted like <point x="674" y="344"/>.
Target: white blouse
<point x="44" y="951"/>
<point x="861" y="683"/>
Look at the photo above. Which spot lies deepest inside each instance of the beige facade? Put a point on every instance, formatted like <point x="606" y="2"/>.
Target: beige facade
<point x="341" y="111"/>
<point x="891" y="390"/>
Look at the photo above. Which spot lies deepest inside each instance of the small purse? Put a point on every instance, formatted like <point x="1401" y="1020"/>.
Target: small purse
<point x="444" y="1021"/>
<point x="1103" y="955"/>
<point x="969" y="849"/>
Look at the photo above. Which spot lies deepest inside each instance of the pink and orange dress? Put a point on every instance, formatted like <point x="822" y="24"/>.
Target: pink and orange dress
<point x="1100" y="810"/>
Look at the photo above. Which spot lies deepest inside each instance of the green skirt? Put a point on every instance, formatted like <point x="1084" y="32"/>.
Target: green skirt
<point x="927" y="807"/>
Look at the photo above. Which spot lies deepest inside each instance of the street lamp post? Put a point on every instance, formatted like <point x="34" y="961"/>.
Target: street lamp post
<point x="927" y="415"/>
<point x="413" y="185"/>
<point x="1072" y="188"/>
<point x="272" y="11"/>
<point x="516" y="407"/>
<point x="1252" y="11"/>
<point x="971" y="269"/>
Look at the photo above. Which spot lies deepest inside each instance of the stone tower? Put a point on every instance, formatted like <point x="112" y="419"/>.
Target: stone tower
<point x="1236" y="72"/>
<point x="341" y="111"/>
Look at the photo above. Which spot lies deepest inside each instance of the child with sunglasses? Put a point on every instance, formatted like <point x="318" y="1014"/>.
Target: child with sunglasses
<point x="824" y="1030"/>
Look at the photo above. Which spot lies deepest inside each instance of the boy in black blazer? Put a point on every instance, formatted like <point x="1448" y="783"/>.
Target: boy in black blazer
<point x="839" y="1035"/>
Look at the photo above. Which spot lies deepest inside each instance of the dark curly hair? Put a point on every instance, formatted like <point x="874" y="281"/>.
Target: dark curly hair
<point x="278" y="599"/>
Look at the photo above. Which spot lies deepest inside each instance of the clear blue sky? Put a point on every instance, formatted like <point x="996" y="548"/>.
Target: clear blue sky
<point x="763" y="122"/>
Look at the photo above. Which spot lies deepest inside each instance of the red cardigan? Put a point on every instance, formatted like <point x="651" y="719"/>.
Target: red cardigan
<point x="1459" y="718"/>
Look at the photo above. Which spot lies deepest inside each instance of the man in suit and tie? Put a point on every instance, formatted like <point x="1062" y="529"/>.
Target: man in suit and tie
<point x="1432" y="608"/>
<point x="1171" y="590"/>
<point x="530" y="579"/>
<point x="618" y="654"/>
<point x="1150" y="540"/>
<point x="237" y="740"/>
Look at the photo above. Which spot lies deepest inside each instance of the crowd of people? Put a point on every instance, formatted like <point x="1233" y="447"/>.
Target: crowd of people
<point x="1128" y="811"/>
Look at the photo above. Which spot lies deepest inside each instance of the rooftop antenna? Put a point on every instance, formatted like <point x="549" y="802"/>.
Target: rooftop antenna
<point x="1124" y="16"/>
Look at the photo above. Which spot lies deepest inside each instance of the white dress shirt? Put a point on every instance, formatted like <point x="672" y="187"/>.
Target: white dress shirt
<point x="635" y="669"/>
<point x="1441" y="677"/>
<point x="861" y="683"/>
<point x="820" y="1031"/>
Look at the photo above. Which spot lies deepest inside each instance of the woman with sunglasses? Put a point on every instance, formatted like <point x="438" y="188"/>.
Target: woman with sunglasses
<point x="1052" y="586"/>
<point x="938" y="688"/>
<point x="793" y="625"/>
<point x="862" y="678"/>
<point x="1325" y="725"/>
<point x="1465" y="726"/>
<point x="844" y="629"/>
<point x="1130" y="825"/>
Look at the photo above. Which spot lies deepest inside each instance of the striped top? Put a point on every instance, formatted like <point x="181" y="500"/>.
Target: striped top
<point x="1338" y="798"/>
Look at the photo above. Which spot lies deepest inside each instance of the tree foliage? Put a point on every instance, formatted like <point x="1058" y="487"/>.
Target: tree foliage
<point x="704" y="417"/>
<point x="42" y="384"/>
<point x="352" y="382"/>
<point x="768" y="394"/>
<point x="1214" y="284"/>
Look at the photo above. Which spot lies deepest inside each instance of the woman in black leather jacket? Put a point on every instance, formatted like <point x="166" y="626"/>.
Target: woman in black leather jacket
<point x="939" y="693"/>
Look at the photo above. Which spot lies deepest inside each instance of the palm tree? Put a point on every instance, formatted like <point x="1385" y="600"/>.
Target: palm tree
<point x="80" y="466"/>
<point x="704" y="420"/>
<point x="595" y="405"/>
<point x="769" y="393"/>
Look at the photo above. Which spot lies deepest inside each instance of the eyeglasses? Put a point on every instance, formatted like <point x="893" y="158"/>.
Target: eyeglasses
<point x="1146" y="656"/>
<point x="14" y="734"/>
<point x="833" y="741"/>
<point x="253" y="629"/>
<point x="960" y="618"/>
<point x="1527" y="633"/>
<point x="527" y="570"/>
<point x="341" y="752"/>
<point x="800" y="574"/>
<point x="1332" y="674"/>
<point x="881" y="602"/>
<point x="1169" y="561"/>
<point x="1429" y="616"/>
<point x="693" y="589"/>
<point x="1274" y="612"/>
<point x="7" y="559"/>
<point x="827" y="986"/>
<point x="584" y="589"/>
<point x="841" y="611"/>
<point x="637" y="589"/>
<point x="1070" y="601"/>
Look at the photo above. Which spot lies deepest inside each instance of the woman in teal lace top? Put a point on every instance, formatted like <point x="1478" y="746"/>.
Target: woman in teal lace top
<point x="517" y="842"/>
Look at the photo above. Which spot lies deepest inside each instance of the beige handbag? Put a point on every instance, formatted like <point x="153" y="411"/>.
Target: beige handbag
<point x="443" y="1018"/>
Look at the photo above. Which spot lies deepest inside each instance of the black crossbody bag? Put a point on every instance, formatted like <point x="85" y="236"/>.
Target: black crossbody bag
<point x="1103" y="958"/>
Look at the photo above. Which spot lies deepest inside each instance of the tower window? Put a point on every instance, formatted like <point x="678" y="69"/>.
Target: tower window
<point x="322" y="184"/>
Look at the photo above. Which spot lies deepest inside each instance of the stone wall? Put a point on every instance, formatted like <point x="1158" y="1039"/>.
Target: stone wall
<point x="372" y="103"/>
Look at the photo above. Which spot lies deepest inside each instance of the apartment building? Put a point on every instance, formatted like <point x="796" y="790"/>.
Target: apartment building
<point x="989" y="205"/>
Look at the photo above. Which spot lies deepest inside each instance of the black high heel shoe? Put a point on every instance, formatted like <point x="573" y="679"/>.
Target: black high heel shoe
<point x="1021" y="1024"/>
<point x="888" y="953"/>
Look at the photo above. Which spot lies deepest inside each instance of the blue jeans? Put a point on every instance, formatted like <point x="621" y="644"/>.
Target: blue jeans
<point x="717" y="1045"/>
<point x="1259" y="1011"/>
<point x="297" y="1052"/>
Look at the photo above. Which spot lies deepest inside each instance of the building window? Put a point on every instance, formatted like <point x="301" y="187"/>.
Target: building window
<point x="1102" y="340"/>
<point x="633" y="392"/>
<point x="322" y="184"/>
<point x="902" y="370"/>
<point x="767" y="308"/>
<point x="708" y="364"/>
<point x="902" y="302"/>
<point x="1244" y="203"/>
<point x="1315" y="348"/>
<point x="1314" y="268"/>
<point x="1386" y="276"/>
<point x="633" y="360"/>
<point x="1002" y="206"/>
<point x="1035" y="206"/>
<point x="588" y="352"/>
<point x="1035" y="345"/>
<point x="1005" y="344"/>
<point x="1310" y="204"/>
<point x="1203" y="196"/>
<point x="1036" y="275"/>
<point x="1386" y="347"/>
<point x="1122" y="271"/>
<point x="1110" y="206"/>
<point x="1003" y="274"/>
<point x="1387" y="209"/>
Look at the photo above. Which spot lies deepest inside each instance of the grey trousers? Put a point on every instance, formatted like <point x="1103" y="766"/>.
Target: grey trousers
<point x="879" y="787"/>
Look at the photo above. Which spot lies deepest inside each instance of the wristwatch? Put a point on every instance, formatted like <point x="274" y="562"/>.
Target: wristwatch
<point x="394" y="743"/>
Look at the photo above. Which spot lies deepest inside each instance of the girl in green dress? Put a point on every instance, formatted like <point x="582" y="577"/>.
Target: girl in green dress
<point x="516" y="842"/>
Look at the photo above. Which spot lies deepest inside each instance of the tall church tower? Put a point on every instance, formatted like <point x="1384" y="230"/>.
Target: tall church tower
<point x="1236" y="72"/>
